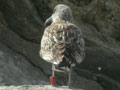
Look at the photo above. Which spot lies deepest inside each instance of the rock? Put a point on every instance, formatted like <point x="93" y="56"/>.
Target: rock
<point x="35" y="87"/>
<point x="25" y="48"/>
<point x="15" y="69"/>
<point x="21" y="28"/>
<point x="18" y="70"/>
<point x="24" y="18"/>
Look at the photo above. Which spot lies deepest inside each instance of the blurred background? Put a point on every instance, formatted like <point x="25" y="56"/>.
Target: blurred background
<point x="21" y="29"/>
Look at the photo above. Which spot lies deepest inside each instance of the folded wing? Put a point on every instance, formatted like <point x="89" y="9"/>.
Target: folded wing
<point x="62" y="41"/>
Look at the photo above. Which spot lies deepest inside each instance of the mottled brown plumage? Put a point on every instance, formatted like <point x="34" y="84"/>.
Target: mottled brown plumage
<point x="62" y="41"/>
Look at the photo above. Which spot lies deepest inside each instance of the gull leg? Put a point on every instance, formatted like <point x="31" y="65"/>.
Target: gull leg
<point x="53" y="70"/>
<point x="69" y="77"/>
<point x="52" y="78"/>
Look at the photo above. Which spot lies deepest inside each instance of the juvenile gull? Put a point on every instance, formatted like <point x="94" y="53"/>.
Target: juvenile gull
<point x="62" y="43"/>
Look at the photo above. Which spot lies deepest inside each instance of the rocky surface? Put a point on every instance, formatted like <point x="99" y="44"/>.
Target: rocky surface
<point x="15" y="69"/>
<point x="35" y="87"/>
<point x="21" y="28"/>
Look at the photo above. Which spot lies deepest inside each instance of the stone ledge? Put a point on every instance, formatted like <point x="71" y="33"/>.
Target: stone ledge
<point x="35" y="87"/>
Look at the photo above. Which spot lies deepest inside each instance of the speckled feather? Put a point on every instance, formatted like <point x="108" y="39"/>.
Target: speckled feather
<point x="62" y="44"/>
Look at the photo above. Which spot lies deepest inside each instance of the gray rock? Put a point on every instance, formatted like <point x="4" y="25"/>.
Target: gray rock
<point x="17" y="70"/>
<point x="21" y="28"/>
<point x="35" y="87"/>
<point x="24" y="18"/>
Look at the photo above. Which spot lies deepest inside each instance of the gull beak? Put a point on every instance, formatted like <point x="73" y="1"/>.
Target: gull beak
<point x="48" y="21"/>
